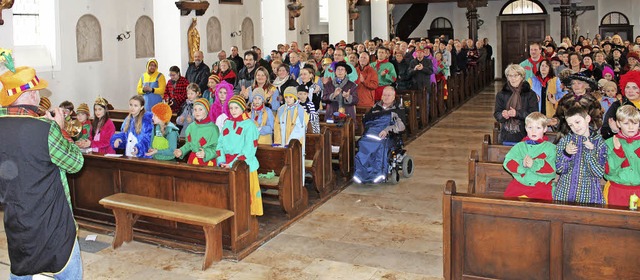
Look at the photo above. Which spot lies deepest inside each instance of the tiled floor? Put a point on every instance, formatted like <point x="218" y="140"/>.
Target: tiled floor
<point x="389" y="232"/>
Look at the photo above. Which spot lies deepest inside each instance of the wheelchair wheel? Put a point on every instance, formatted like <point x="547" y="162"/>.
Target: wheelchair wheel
<point x="407" y="166"/>
<point x="393" y="177"/>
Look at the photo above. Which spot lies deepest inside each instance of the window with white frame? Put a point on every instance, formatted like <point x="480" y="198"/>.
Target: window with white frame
<point x="323" y="11"/>
<point x="35" y="33"/>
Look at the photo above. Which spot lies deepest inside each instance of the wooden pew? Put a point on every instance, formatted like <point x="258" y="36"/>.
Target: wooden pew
<point x="409" y="99"/>
<point x="118" y="116"/>
<point x="173" y="181"/>
<point x="489" y="237"/>
<point x="360" y="111"/>
<point x="487" y="177"/>
<point x="493" y="152"/>
<point x="318" y="161"/>
<point x="287" y="163"/>
<point x="344" y="138"/>
<point x="128" y="207"/>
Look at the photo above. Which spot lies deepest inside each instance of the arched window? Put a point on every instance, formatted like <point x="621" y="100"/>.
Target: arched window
<point x="522" y="7"/>
<point x="441" y="23"/>
<point x="145" y="42"/>
<point x="616" y="23"/>
<point x="614" y="18"/>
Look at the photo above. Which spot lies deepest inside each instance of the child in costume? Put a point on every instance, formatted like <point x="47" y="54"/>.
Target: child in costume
<point x="219" y="108"/>
<point x="239" y="141"/>
<point x="186" y="114"/>
<point x="67" y="108"/>
<point x="313" y="85"/>
<point x="102" y="129"/>
<point x="209" y="93"/>
<point x="202" y="137"/>
<point x="580" y="160"/>
<point x="82" y="115"/>
<point x="135" y="135"/>
<point x="152" y="85"/>
<point x="263" y="116"/>
<point x="623" y="161"/>
<point x="291" y="120"/>
<point x="609" y="92"/>
<point x="532" y="162"/>
<point x="303" y="99"/>
<point x="165" y="133"/>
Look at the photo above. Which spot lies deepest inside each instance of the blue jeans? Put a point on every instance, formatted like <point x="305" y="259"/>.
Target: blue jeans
<point x="72" y="271"/>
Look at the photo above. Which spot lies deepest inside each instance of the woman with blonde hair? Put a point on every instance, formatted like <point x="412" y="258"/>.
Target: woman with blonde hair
<point x="513" y="104"/>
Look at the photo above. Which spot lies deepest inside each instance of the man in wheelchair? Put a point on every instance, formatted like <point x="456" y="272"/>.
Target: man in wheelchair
<point x="381" y="153"/>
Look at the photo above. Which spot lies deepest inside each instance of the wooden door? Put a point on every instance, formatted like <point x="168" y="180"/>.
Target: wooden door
<point x="315" y="40"/>
<point x="516" y="36"/>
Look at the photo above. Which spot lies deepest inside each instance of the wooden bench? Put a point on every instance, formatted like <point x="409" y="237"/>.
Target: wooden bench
<point x="360" y="111"/>
<point x="344" y="138"/>
<point x="118" y="116"/>
<point x="128" y="207"/>
<point x="487" y="177"/>
<point x="224" y="188"/>
<point x="488" y="237"/>
<point x="318" y="161"/>
<point x="290" y="193"/>
<point x="553" y="136"/>
<point x="493" y="152"/>
<point x="410" y="102"/>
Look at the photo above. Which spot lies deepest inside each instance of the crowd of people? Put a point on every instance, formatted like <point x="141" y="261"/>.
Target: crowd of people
<point x="589" y="94"/>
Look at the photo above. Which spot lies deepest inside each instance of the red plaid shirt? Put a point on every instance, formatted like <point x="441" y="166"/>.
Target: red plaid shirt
<point x="176" y="92"/>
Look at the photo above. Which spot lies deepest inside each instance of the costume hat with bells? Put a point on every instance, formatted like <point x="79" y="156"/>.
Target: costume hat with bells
<point x="17" y="81"/>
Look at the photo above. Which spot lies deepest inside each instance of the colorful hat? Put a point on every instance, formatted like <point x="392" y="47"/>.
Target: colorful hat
<point x="215" y="78"/>
<point x="45" y="104"/>
<point x="326" y="61"/>
<point x="292" y="92"/>
<point x="258" y="92"/>
<point x="162" y="111"/>
<point x="631" y="76"/>
<point x="16" y="83"/>
<point x="238" y="100"/>
<point x="82" y="108"/>
<point x="608" y="70"/>
<point x="202" y="102"/>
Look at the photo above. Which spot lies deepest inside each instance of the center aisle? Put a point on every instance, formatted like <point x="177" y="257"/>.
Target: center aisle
<point x="386" y="231"/>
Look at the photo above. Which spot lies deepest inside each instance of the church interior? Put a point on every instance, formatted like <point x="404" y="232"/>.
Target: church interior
<point x="90" y="48"/>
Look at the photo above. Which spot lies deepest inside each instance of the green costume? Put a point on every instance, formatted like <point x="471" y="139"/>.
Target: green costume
<point x="622" y="164"/>
<point x="385" y="67"/>
<point x="165" y="143"/>
<point x="201" y="135"/>
<point x="239" y="140"/>
<point x="544" y="163"/>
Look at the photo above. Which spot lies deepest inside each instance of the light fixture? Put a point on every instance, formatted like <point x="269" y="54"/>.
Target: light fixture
<point x="123" y="36"/>
<point x="236" y="33"/>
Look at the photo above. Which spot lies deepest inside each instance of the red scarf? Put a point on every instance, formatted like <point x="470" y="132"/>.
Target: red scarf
<point x="380" y="62"/>
<point x="543" y="139"/>
<point x="239" y="118"/>
<point x="543" y="81"/>
<point x="258" y="110"/>
<point x="629" y="139"/>
<point x="205" y="120"/>
<point x="535" y="63"/>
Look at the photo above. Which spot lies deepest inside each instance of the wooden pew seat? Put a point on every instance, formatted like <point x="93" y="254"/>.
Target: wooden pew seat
<point x="128" y="207"/>
<point x="318" y="161"/>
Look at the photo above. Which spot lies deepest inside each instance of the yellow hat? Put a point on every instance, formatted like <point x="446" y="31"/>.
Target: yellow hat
<point x="16" y="83"/>
<point x="291" y="92"/>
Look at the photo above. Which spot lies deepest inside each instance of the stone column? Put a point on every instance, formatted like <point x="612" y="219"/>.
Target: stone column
<point x="565" y="19"/>
<point x="380" y="19"/>
<point x="170" y="50"/>
<point x="339" y="21"/>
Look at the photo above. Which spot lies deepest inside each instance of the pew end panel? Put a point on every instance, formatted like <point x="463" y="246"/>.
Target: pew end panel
<point x="287" y="163"/>
<point x="488" y="237"/>
<point x="318" y="150"/>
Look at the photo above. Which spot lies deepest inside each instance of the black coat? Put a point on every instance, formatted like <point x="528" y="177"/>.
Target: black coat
<point x="529" y="102"/>
<point x="402" y="69"/>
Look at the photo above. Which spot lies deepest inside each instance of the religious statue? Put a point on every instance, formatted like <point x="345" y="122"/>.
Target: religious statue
<point x="294" y="12"/>
<point x="193" y="39"/>
<point x="4" y="4"/>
